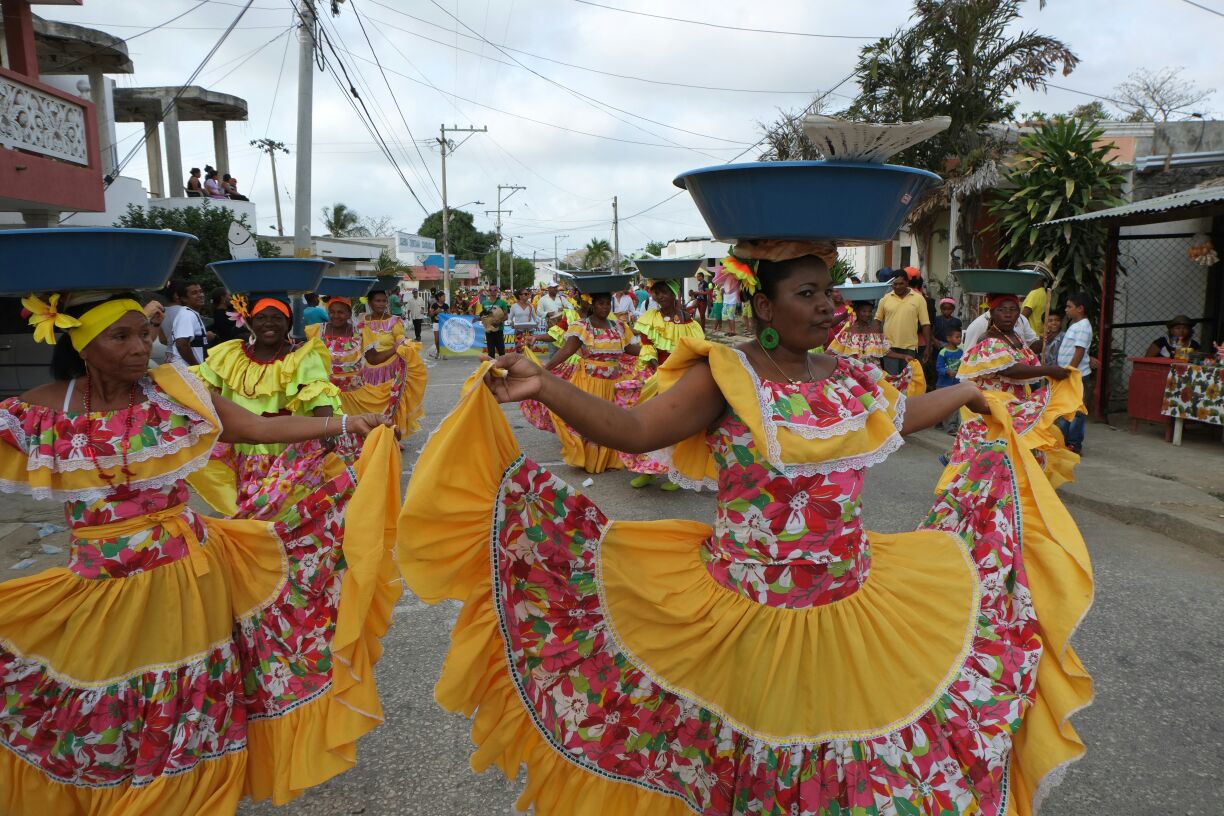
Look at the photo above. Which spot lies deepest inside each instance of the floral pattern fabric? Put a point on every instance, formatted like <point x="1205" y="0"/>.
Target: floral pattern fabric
<point x="602" y="350"/>
<point x="1195" y="392"/>
<point x="984" y="363"/>
<point x="783" y="540"/>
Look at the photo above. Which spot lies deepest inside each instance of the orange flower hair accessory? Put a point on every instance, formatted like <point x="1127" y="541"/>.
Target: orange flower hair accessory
<point x="742" y="271"/>
<point x="241" y="313"/>
<point x="45" y="317"/>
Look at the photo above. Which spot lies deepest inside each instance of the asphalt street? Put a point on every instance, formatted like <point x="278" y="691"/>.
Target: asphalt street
<point x="1152" y="640"/>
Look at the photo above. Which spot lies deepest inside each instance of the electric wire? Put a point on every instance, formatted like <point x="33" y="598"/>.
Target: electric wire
<point x="1216" y="12"/>
<point x="250" y="56"/>
<point x="728" y="27"/>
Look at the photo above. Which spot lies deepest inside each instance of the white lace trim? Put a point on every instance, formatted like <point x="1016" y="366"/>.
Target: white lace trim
<point x="774" y="446"/>
<point x="664" y="458"/>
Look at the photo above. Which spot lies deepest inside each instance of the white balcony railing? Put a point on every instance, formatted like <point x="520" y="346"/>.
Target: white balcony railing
<point x="38" y="122"/>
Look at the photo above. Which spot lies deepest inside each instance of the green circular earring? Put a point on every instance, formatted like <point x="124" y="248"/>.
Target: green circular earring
<point x="768" y="338"/>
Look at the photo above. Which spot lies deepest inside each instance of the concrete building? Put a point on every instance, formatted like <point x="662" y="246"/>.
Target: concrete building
<point x="354" y="257"/>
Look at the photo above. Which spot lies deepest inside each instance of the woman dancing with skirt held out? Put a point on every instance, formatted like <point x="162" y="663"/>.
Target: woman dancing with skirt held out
<point x="147" y="677"/>
<point x="785" y="661"/>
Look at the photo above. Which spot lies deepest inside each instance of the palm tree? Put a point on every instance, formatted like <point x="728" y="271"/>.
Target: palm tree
<point x="597" y="253"/>
<point x="388" y="264"/>
<point x="341" y="221"/>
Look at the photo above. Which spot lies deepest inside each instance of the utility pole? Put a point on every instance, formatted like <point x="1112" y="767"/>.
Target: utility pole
<point x="445" y="144"/>
<point x="513" y="188"/>
<point x="615" y="236"/>
<point x="305" y="133"/>
<point x="271" y="147"/>
<point x="556" y="260"/>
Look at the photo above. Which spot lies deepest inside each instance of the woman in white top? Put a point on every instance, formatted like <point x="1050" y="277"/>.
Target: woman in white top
<point x="522" y="320"/>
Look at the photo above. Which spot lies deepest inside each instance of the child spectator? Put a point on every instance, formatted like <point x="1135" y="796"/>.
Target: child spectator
<point x="944" y="321"/>
<point x="946" y="363"/>
<point x="1051" y="339"/>
<point x="1073" y="352"/>
<point x="716" y="308"/>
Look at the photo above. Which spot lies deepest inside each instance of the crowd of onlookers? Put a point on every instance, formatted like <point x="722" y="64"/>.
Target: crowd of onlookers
<point x="211" y="184"/>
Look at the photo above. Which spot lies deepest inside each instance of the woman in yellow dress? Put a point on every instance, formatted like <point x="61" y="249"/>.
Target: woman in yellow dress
<point x="602" y="342"/>
<point x="346" y="352"/>
<point x="393" y="374"/>
<point x="783" y="660"/>
<point x="862" y="337"/>
<point x="659" y="330"/>
<point x="143" y="678"/>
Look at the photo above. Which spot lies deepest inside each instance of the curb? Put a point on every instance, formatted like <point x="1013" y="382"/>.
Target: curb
<point x="1207" y="538"/>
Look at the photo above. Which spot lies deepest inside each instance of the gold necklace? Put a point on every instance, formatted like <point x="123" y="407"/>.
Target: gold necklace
<point x="807" y="366"/>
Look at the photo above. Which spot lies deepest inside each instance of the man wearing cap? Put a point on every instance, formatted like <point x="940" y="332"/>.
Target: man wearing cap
<point x="904" y="315"/>
<point x="551" y="305"/>
<point x="1177" y="337"/>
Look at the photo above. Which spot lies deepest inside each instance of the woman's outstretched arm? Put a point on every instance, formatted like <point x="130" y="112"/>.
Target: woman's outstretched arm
<point x="926" y="410"/>
<point x="689" y="407"/>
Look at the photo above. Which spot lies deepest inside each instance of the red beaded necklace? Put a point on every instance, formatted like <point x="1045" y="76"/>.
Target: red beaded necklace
<point x="125" y="444"/>
<point x="249" y="389"/>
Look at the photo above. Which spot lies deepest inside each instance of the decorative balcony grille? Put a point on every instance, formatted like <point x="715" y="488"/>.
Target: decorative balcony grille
<point x="39" y="122"/>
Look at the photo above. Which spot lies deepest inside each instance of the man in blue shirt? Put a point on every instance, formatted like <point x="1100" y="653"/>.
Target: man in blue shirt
<point x="313" y="313"/>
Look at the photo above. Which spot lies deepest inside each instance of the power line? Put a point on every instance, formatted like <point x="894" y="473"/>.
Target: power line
<point x="1204" y="8"/>
<point x="562" y="62"/>
<point x="280" y="75"/>
<point x="250" y="56"/>
<point x="350" y="93"/>
<point x="591" y="100"/>
<point x="728" y="27"/>
<point x="394" y="99"/>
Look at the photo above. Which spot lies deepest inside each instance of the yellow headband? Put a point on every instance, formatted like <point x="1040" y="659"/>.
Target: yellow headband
<point x="45" y="317"/>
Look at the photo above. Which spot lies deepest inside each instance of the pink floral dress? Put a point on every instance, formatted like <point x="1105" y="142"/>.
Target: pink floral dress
<point x="670" y="668"/>
<point x="984" y="363"/>
<point x="172" y="643"/>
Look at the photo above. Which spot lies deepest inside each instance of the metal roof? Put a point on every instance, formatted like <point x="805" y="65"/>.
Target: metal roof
<point x="1193" y="203"/>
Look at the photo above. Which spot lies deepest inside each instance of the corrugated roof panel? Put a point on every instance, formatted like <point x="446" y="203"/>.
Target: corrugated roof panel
<point x="1194" y="197"/>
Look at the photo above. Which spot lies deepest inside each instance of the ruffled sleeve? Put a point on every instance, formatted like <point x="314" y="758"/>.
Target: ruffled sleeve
<point x="854" y="423"/>
<point x="665" y="335"/>
<point x="299" y="382"/>
<point x="991" y="357"/>
<point x="306" y="375"/>
<point x="579" y="329"/>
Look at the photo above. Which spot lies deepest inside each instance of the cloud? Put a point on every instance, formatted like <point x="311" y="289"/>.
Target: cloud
<point x="570" y="178"/>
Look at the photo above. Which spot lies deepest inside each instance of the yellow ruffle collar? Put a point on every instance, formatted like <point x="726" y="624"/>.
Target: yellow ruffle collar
<point x="230" y="364"/>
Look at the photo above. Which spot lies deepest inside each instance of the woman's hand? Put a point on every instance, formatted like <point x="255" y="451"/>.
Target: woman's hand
<point x="364" y="424"/>
<point x="1058" y="372"/>
<point x="522" y="380"/>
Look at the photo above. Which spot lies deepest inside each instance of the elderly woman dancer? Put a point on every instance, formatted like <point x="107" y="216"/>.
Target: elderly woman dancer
<point x="785" y="660"/>
<point x="149" y="675"/>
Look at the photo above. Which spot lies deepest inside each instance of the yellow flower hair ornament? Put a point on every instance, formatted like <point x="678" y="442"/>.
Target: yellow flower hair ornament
<point x="46" y="318"/>
<point x="742" y="271"/>
<point x="241" y="313"/>
<point x="586" y="298"/>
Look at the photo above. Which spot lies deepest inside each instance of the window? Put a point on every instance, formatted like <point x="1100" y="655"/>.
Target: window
<point x="905" y="256"/>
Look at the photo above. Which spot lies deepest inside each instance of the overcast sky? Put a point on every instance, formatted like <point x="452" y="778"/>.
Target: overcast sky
<point x="443" y="71"/>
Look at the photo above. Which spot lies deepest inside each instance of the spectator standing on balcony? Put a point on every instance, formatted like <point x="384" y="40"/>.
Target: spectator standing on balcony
<point x="195" y="187"/>
<point x="187" y="336"/>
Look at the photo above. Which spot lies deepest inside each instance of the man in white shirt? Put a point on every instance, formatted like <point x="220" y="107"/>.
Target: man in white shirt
<point x="624" y="306"/>
<point x="550" y="304"/>
<point x="977" y="329"/>
<point x="1073" y="352"/>
<point x="414" y="309"/>
<point x="187" y="338"/>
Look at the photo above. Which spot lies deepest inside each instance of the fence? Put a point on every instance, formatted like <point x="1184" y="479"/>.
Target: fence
<point x="1156" y="281"/>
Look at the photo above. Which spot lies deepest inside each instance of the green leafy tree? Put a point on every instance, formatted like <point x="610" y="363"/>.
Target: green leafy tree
<point x="209" y="224"/>
<point x="388" y="264"/>
<point x="341" y="221"/>
<point x="840" y="271"/>
<point x="596" y="253"/>
<point x="466" y="242"/>
<point x="963" y="59"/>
<point x="523" y="276"/>
<point x="1060" y="170"/>
<point x="655" y="248"/>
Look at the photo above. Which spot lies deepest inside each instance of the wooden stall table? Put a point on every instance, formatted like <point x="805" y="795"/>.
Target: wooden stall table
<point x="1146" y="390"/>
<point x="1194" y="392"/>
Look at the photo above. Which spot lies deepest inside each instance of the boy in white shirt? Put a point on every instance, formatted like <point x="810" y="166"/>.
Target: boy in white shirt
<point x="1073" y="352"/>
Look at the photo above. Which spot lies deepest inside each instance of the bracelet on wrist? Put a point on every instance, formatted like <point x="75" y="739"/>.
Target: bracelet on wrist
<point x="343" y="424"/>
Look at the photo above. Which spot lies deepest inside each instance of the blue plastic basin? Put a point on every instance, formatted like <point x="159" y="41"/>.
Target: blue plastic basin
<point x="852" y="292"/>
<point x="997" y="281"/>
<point x="596" y="284"/>
<point x="850" y="202"/>
<point x="345" y="287"/>
<point x="62" y="259"/>
<point x="289" y="275"/>
<point x="668" y="268"/>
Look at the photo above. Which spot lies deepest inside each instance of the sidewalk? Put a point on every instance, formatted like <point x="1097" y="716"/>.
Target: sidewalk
<point x="32" y="536"/>
<point x="1141" y="480"/>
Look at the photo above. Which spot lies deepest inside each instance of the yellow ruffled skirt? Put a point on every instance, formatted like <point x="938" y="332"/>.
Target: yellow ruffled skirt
<point x="604" y="658"/>
<point x="576" y="450"/>
<point x="183" y="687"/>
<point x="395" y="389"/>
